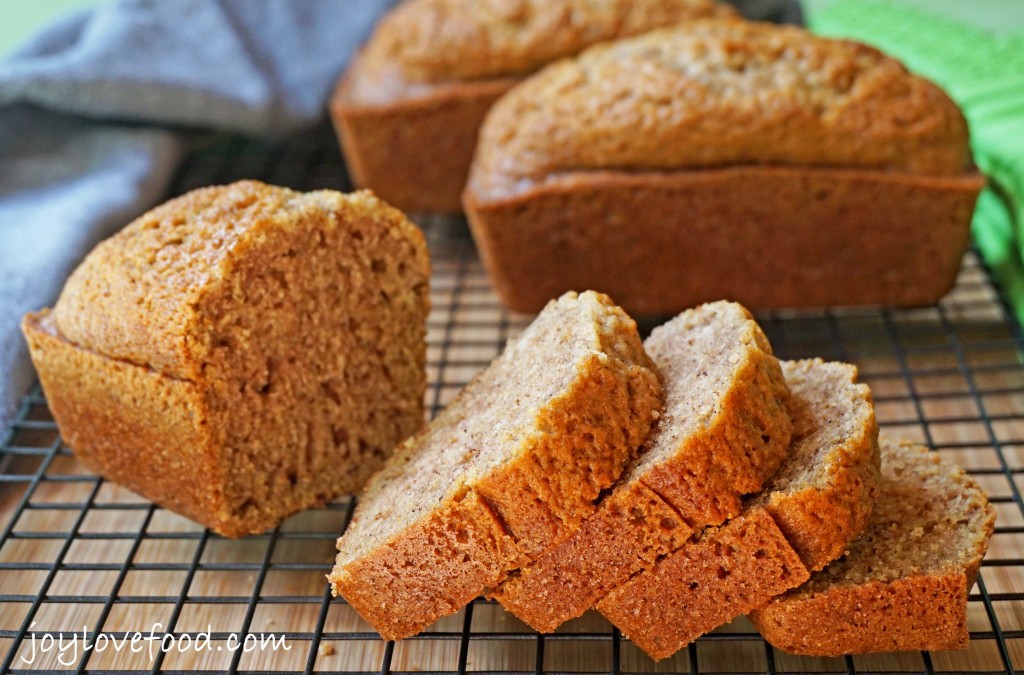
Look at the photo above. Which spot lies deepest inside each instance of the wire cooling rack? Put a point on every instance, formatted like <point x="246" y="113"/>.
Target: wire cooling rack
<point x="79" y="553"/>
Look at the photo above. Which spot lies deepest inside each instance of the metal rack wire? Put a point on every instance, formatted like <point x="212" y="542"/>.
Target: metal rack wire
<point x="78" y="551"/>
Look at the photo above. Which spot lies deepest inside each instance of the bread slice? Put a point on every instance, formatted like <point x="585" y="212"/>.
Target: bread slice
<point x="903" y="584"/>
<point x="717" y="144"/>
<point x="816" y="503"/>
<point x="509" y="469"/>
<point x="410" y="105"/>
<point x="241" y="352"/>
<point x="723" y="433"/>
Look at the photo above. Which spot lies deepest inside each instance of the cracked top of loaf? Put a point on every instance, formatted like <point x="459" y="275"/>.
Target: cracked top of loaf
<point x="439" y="40"/>
<point x="714" y="93"/>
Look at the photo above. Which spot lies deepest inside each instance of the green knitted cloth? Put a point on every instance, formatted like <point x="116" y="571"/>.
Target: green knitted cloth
<point x="974" y="50"/>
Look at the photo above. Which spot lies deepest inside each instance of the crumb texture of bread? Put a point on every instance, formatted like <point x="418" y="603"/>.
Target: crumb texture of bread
<point x="740" y="566"/>
<point x="724" y="431"/>
<point x="823" y="494"/>
<point x="439" y="40"/>
<point x="728" y="428"/>
<point x="510" y="468"/>
<point x="903" y="583"/>
<point x="714" y="93"/>
<point x="242" y="352"/>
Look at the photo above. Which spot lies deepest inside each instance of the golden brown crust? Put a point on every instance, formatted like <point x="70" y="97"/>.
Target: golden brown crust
<point x="903" y="583"/>
<point x="461" y="547"/>
<point x="415" y="152"/>
<point x="715" y="93"/>
<point x="632" y="528"/>
<point x="833" y="464"/>
<point x="167" y="425"/>
<point x="598" y="424"/>
<point x="436" y="40"/>
<point x="139" y="295"/>
<point x="535" y="438"/>
<point x="409" y="107"/>
<point x="892" y="238"/>
<point x="274" y="339"/>
<point x="664" y="156"/>
<point x="693" y="473"/>
<point x="706" y="583"/>
<point x="928" y="613"/>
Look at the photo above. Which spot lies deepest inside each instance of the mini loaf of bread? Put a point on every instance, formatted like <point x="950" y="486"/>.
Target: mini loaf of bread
<point x="723" y="433"/>
<point x="509" y="469"/>
<point x="721" y="158"/>
<point x="410" y="105"/>
<point x="815" y="504"/>
<point x="242" y="352"/>
<point x="903" y="584"/>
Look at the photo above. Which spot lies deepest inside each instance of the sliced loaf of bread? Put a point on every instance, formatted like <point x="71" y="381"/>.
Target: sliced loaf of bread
<point x="242" y="352"/>
<point x="816" y="503"/>
<point x="509" y="469"/>
<point x="903" y="583"/>
<point x="724" y="432"/>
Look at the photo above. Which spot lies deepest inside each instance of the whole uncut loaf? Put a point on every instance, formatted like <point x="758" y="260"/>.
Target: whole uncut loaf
<point x="699" y="161"/>
<point x="903" y="583"/>
<point x="723" y="433"/>
<point x="510" y="468"/>
<point x="410" y="106"/>
<point x="817" y="502"/>
<point x="242" y="352"/>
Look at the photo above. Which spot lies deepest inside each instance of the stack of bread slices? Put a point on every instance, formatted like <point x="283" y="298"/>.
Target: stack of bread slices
<point x="672" y="485"/>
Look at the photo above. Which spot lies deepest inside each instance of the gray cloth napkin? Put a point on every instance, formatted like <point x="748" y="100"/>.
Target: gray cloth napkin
<point x="94" y="111"/>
